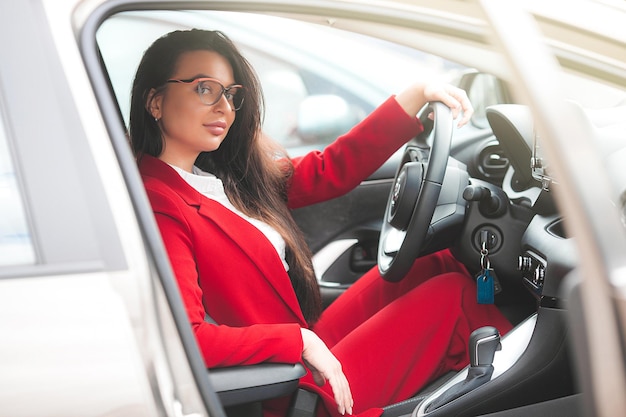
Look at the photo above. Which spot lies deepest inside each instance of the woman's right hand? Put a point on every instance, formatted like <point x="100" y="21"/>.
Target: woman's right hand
<point x="413" y="98"/>
<point x="325" y="367"/>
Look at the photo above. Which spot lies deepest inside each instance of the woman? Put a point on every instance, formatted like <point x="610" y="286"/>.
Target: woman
<point x="221" y="198"/>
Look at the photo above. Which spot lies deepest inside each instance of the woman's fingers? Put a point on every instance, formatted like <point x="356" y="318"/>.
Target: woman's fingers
<point x="341" y="391"/>
<point x="325" y="367"/>
<point x="464" y="105"/>
<point x="453" y="97"/>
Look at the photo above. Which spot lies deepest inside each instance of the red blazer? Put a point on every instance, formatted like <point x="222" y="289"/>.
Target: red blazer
<point x="226" y="267"/>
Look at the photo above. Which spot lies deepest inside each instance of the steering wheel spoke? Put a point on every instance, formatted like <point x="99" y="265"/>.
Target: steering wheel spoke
<point x="393" y="241"/>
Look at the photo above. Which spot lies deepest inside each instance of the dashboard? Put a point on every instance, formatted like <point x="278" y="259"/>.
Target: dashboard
<point x="546" y="251"/>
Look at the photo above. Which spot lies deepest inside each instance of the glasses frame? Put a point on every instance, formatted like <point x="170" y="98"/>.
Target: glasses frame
<point x="224" y="92"/>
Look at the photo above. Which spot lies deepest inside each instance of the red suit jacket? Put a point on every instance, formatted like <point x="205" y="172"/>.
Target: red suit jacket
<point x="228" y="269"/>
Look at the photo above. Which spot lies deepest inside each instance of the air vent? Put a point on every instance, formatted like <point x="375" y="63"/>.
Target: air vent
<point x="492" y="162"/>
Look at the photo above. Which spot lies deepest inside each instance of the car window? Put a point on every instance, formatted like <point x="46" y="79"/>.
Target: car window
<point x="318" y="81"/>
<point x="16" y="247"/>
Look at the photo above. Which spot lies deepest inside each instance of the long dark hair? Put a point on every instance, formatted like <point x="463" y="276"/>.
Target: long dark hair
<point x="255" y="171"/>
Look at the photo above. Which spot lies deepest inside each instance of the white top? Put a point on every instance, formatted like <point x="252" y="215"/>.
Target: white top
<point x="212" y="187"/>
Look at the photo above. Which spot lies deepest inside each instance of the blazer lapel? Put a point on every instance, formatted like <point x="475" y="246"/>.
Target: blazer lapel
<point x="250" y="239"/>
<point x="256" y="246"/>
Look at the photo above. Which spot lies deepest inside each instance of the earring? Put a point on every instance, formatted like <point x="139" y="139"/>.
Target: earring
<point x="156" y="119"/>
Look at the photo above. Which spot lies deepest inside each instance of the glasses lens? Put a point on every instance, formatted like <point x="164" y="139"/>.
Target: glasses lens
<point x="211" y="91"/>
<point x="234" y="95"/>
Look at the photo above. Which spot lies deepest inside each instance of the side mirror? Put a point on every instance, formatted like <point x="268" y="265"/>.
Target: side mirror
<point x="322" y="118"/>
<point x="483" y="90"/>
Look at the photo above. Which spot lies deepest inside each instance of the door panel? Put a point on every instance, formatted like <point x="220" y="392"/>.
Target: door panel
<point x="344" y="231"/>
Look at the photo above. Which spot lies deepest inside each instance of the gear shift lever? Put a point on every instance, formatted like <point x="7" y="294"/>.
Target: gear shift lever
<point x="483" y="343"/>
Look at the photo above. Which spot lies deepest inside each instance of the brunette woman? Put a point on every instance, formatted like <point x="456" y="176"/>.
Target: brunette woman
<point x="222" y="194"/>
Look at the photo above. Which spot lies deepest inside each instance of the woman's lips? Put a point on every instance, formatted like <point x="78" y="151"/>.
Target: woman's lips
<point x="216" y="128"/>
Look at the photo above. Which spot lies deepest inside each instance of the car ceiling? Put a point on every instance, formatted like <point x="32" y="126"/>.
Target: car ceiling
<point x="458" y="29"/>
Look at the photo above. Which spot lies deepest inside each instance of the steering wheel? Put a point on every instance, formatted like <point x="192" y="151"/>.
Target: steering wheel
<point x="414" y="195"/>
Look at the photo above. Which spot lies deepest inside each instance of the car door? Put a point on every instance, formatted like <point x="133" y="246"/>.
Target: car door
<point x="86" y="326"/>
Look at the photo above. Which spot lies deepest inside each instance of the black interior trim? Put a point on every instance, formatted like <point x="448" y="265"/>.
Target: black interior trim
<point x="569" y="406"/>
<point x="542" y="373"/>
<point x="245" y="384"/>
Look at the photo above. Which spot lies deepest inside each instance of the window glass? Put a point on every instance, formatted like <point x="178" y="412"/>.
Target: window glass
<point x="15" y="242"/>
<point x="318" y="81"/>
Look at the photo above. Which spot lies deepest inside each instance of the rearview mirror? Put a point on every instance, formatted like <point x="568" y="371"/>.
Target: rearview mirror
<point x="483" y="90"/>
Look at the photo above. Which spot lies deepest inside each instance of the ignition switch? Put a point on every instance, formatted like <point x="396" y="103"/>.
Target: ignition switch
<point x="489" y="236"/>
<point x="487" y="239"/>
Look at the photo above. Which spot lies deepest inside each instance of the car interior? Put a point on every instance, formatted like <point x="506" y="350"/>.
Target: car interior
<point x="487" y="194"/>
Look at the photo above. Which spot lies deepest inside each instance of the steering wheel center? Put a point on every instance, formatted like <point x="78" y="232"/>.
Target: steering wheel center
<point x="405" y="192"/>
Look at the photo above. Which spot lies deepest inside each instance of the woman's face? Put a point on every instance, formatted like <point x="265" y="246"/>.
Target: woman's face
<point x="188" y="125"/>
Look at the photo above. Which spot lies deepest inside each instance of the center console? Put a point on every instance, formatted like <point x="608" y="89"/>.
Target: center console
<point x="513" y="346"/>
<point x="533" y="364"/>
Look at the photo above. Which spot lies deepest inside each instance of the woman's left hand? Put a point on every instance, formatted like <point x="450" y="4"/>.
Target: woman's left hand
<point x="325" y="367"/>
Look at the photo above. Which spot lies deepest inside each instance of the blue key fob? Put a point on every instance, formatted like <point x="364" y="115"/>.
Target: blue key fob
<point x="485" y="287"/>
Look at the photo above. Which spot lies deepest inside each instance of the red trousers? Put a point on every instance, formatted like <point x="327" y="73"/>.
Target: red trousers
<point x="393" y="338"/>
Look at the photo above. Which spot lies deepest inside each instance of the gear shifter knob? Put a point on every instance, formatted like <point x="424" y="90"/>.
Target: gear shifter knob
<point x="483" y="343"/>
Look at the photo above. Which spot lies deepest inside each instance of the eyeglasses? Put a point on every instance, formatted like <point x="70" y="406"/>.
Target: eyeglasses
<point x="211" y="91"/>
